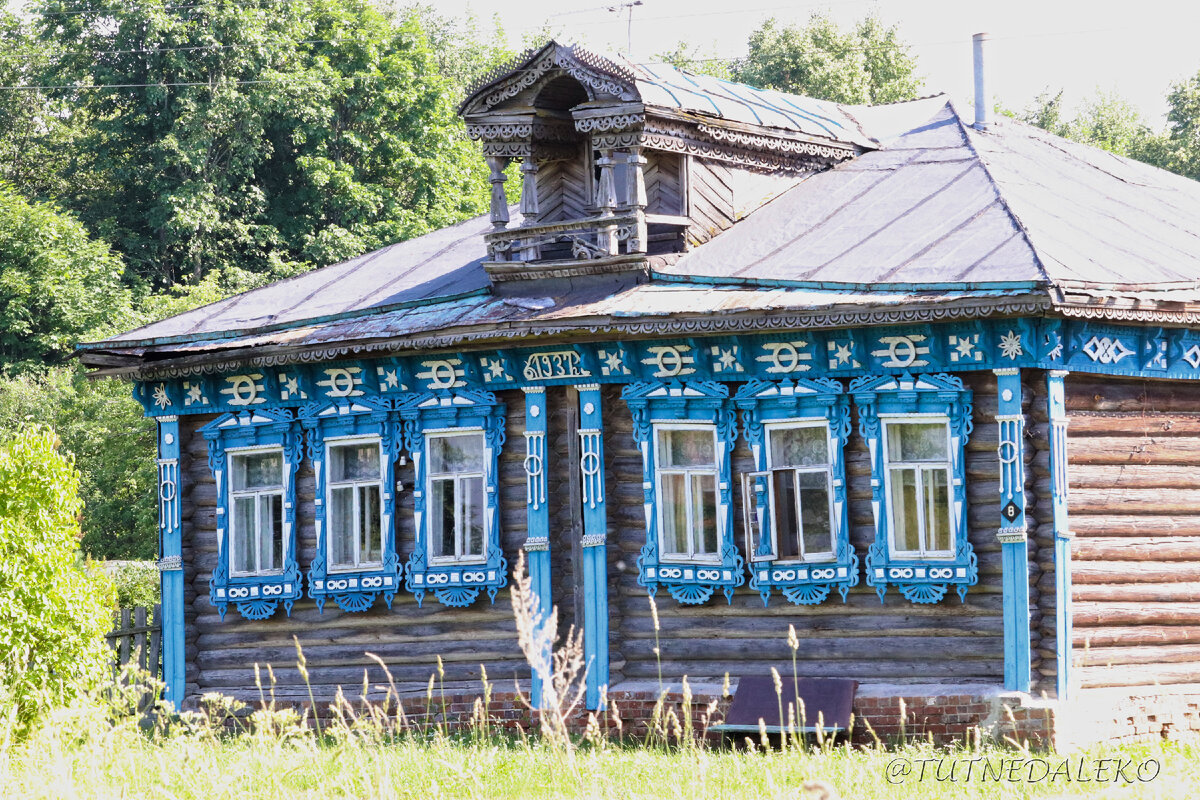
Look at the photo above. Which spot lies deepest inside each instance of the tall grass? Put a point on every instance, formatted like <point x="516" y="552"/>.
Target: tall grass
<point x="106" y="746"/>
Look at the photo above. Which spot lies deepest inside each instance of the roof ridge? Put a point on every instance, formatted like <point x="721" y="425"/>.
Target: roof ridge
<point x="1037" y="256"/>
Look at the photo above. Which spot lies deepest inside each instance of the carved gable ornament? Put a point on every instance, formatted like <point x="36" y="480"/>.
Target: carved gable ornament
<point x="600" y="77"/>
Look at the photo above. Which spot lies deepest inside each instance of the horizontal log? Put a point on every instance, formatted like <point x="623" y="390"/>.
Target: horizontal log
<point x="1129" y="424"/>
<point x="1131" y="572"/>
<point x="1136" y="635"/>
<point x="1137" y="592"/>
<point x="1116" y="394"/>
<point x="1133" y="501"/>
<point x="1146" y="525"/>
<point x="1132" y="450"/>
<point x="885" y="670"/>
<point x="1150" y="676"/>
<point x="1095" y="614"/>
<point x="1133" y="476"/>
<point x="1139" y="548"/>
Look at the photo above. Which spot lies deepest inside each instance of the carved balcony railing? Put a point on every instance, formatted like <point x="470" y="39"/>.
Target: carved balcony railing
<point x="583" y="239"/>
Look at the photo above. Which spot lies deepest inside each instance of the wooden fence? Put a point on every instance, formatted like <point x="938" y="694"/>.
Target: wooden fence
<point x="136" y="638"/>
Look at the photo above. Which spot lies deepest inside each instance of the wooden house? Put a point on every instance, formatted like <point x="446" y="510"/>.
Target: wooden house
<point x="771" y="360"/>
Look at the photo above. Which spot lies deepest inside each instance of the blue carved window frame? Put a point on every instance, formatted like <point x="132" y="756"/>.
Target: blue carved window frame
<point x="257" y="596"/>
<point x="803" y="401"/>
<point x="706" y="402"/>
<point x="455" y="584"/>
<point x="352" y="590"/>
<point x="882" y="399"/>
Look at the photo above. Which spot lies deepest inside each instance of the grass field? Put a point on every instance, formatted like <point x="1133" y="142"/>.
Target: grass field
<point x="92" y="751"/>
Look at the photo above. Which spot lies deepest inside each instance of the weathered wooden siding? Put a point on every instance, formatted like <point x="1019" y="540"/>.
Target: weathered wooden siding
<point x="221" y="655"/>
<point x="896" y="641"/>
<point x="1134" y="451"/>
<point x="664" y="183"/>
<point x="563" y="189"/>
<point x="720" y="195"/>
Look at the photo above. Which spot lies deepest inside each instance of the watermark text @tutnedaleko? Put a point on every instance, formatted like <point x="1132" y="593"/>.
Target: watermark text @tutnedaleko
<point x="946" y="769"/>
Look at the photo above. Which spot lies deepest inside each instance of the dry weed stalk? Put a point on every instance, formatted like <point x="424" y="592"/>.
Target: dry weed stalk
<point x="562" y="671"/>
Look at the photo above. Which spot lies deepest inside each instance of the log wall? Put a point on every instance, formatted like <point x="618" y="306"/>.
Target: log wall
<point x="896" y="641"/>
<point x="221" y="655"/>
<point x="1134" y="453"/>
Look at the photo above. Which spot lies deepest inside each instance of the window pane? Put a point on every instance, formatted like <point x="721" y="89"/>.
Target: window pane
<point x="909" y="441"/>
<point x="704" y="513"/>
<point x="441" y="518"/>
<point x="341" y="527"/>
<point x="354" y="462"/>
<point x="937" y="509"/>
<point x="270" y="532"/>
<point x="686" y="448"/>
<point x="257" y="470"/>
<point x="472" y="520"/>
<point x="674" y="514"/>
<point x="370" y="539"/>
<point x="814" y="512"/>
<point x="459" y="453"/>
<point x="242" y="538"/>
<point x="787" y="529"/>
<point x="904" y="509"/>
<point x="799" y="447"/>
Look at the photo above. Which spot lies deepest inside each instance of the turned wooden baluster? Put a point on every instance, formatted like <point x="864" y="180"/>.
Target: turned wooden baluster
<point x="606" y="202"/>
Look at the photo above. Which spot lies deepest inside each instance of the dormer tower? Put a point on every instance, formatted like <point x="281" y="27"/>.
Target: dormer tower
<point x="624" y="163"/>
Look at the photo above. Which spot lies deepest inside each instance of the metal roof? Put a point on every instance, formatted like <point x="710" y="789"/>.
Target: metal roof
<point x="665" y="87"/>
<point x="942" y="213"/>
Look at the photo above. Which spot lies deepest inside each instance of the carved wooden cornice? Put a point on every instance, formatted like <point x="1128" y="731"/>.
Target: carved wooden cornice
<point x="598" y="75"/>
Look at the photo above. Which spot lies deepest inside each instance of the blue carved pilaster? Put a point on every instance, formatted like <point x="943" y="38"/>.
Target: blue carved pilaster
<point x="170" y="564"/>
<point x="595" y="544"/>
<point x="537" y="537"/>
<point x="1056" y="401"/>
<point x="1013" y="532"/>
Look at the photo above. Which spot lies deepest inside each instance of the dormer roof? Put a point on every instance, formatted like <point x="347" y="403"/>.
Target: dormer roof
<point x="660" y="90"/>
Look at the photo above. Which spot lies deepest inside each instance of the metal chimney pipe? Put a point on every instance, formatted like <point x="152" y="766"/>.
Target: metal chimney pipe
<point x="983" y="105"/>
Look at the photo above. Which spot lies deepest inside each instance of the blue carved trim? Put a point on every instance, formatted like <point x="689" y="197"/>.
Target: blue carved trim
<point x="455" y="585"/>
<point x="256" y="597"/>
<point x="694" y="401"/>
<point x="1057" y="409"/>
<point x="360" y="417"/>
<point x="595" y="538"/>
<point x="943" y="396"/>
<point x="537" y="516"/>
<point x="170" y="550"/>
<point x="800" y="400"/>
<point x="964" y="345"/>
<point x="1012" y="530"/>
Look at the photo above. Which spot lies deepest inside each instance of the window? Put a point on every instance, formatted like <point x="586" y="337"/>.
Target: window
<point x="256" y="529"/>
<point x="456" y="530"/>
<point x="801" y="491"/>
<point x="455" y="440"/>
<point x="687" y="491"/>
<point x="355" y="449"/>
<point x="254" y="456"/>
<point x="796" y="495"/>
<point x="355" y="505"/>
<point x="686" y="432"/>
<point x="916" y="427"/>
<point x="917" y="455"/>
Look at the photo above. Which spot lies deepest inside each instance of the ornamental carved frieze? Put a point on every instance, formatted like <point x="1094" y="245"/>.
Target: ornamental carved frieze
<point x="597" y="74"/>
<point x="546" y="130"/>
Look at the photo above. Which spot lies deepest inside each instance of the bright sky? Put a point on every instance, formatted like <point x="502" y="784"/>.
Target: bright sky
<point x="1136" y="49"/>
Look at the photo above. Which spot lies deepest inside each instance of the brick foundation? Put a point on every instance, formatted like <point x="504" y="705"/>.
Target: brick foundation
<point x="943" y="714"/>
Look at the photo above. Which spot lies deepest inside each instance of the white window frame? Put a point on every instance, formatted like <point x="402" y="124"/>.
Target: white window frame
<point x="691" y="557"/>
<point x="257" y="494"/>
<point x="827" y="469"/>
<point x="359" y="565"/>
<point x="459" y="521"/>
<point x="886" y="420"/>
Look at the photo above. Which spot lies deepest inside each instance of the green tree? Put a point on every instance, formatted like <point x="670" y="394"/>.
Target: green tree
<point x="260" y="136"/>
<point x="56" y="282"/>
<point x="869" y="64"/>
<point x="53" y="615"/>
<point x="102" y="428"/>
<point x="698" y="61"/>
<point x="1182" y="139"/>
<point x="1106" y="121"/>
